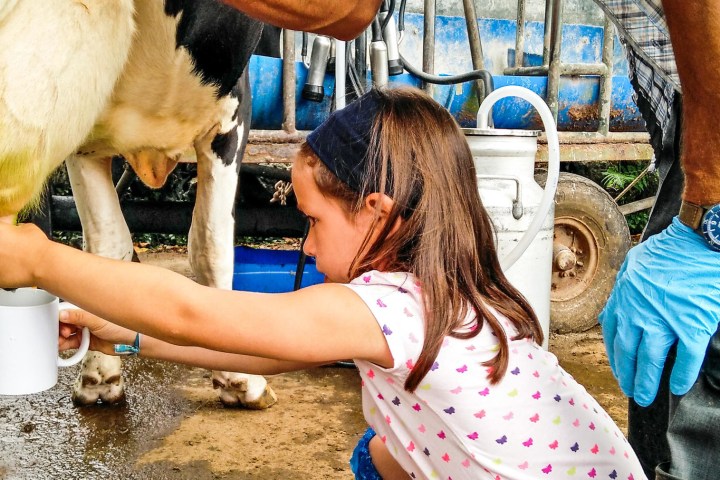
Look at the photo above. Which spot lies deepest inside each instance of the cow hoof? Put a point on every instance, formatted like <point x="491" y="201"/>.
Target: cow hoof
<point x="100" y="380"/>
<point x="243" y="390"/>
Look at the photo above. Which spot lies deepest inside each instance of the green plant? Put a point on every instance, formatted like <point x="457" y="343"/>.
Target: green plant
<point x="618" y="176"/>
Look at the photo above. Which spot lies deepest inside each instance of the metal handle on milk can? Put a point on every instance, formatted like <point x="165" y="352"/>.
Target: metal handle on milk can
<point x="517" y="204"/>
<point x="553" y="160"/>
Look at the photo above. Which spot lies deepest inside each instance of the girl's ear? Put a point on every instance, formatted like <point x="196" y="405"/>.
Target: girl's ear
<point x="382" y="205"/>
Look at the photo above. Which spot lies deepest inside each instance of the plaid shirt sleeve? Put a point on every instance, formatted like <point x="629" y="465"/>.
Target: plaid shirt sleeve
<point x="643" y="31"/>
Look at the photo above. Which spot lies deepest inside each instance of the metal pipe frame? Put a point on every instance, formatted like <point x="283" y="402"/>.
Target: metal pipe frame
<point x="553" y="84"/>
<point x="520" y="35"/>
<point x="476" y="51"/>
<point x="429" y="43"/>
<point x="288" y="81"/>
<point x="606" y="79"/>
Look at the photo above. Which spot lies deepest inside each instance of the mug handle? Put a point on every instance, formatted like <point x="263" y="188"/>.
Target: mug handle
<point x="84" y="343"/>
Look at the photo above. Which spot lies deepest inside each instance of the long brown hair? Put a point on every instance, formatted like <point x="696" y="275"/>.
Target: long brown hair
<point x="446" y="238"/>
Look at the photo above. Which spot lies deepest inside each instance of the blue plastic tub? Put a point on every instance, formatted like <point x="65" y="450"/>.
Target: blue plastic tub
<point x="271" y="271"/>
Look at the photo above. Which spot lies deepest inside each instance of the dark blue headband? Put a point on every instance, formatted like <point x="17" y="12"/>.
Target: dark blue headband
<point x="343" y="140"/>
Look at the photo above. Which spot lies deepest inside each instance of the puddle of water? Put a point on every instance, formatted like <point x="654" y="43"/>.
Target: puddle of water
<point x="43" y="436"/>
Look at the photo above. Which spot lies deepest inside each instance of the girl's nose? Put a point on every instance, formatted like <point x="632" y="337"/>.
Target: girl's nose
<point x="309" y="245"/>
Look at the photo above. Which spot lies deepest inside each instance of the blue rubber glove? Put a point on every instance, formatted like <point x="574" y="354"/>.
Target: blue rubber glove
<point x="667" y="291"/>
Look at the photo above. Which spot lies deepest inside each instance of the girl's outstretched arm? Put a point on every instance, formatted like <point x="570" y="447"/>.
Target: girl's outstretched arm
<point x="314" y="325"/>
<point x="104" y="335"/>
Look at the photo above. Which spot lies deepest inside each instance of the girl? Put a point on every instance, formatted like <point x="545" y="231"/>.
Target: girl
<point x="454" y="381"/>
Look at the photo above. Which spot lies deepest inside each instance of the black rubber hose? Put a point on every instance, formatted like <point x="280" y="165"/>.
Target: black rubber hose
<point x="484" y="75"/>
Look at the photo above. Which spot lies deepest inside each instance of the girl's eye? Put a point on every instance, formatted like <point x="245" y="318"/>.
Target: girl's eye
<point x="310" y="219"/>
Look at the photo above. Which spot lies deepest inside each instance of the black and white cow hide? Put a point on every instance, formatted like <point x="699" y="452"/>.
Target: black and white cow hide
<point x="145" y="79"/>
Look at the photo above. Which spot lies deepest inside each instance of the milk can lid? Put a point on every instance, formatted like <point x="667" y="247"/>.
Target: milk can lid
<point x="500" y="132"/>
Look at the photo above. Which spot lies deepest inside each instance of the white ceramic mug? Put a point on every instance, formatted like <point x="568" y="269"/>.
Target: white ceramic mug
<point x="29" y="330"/>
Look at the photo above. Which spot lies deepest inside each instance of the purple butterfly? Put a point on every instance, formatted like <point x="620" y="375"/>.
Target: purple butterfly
<point x="426" y="452"/>
<point x="449" y="410"/>
<point x="575" y="447"/>
<point x="557" y="398"/>
<point x="386" y="330"/>
<point x="502" y="440"/>
<point x="515" y="371"/>
<point x="402" y="290"/>
<point x="396" y="401"/>
<point x="613" y="475"/>
<point x="435" y="366"/>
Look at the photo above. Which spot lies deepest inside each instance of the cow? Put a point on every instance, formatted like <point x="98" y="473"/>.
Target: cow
<point x="85" y="81"/>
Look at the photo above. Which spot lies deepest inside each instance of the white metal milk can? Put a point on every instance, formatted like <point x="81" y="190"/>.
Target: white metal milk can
<point x="521" y="211"/>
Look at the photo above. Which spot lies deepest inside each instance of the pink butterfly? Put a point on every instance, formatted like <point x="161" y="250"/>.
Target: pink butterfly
<point x="536" y="374"/>
<point x="473" y="436"/>
<point x="441" y="435"/>
<point x="553" y="445"/>
<point x="523" y="466"/>
<point x="456" y="390"/>
<point x="380" y="303"/>
<point x="592" y="473"/>
<point x="421" y="428"/>
<point x="411" y="447"/>
<point x="536" y="395"/>
<point x="466" y="463"/>
<point x="484" y="392"/>
<point x="409" y="364"/>
<point x="576" y="423"/>
<point x="595" y="449"/>
<point x="612" y="450"/>
<point x="528" y="442"/>
<point x="509" y="416"/>
<point x="371" y="374"/>
<point x="380" y="396"/>
<point x="367" y="278"/>
<point x="417" y="407"/>
<point x="462" y="369"/>
<point x="591" y="426"/>
<point x="446" y="457"/>
<point x="547" y="469"/>
<point x="387" y="419"/>
<point x="535" y="418"/>
<point x="407" y="312"/>
<point x="479" y="414"/>
<point x="571" y="402"/>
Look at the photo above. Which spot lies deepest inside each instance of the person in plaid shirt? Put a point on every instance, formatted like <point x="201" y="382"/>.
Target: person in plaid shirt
<point x="666" y="300"/>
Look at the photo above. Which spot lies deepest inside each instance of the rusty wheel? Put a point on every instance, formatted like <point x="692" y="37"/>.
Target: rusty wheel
<point x="591" y="239"/>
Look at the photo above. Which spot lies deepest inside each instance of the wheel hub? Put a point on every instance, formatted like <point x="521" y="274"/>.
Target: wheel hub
<point x="575" y="259"/>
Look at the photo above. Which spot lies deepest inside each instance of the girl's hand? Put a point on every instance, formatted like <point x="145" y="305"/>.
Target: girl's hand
<point x="103" y="334"/>
<point x="22" y="248"/>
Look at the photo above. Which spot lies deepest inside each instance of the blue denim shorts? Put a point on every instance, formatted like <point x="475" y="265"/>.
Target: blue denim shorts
<point x="361" y="463"/>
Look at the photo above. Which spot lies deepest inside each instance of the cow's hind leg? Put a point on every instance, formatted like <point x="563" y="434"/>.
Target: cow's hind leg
<point x="212" y="233"/>
<point x="105" y="233"/>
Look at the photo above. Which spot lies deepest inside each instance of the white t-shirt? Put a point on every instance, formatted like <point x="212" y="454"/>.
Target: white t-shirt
<point x="536" y="423"/>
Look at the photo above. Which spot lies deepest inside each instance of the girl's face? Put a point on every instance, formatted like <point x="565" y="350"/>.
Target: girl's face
<point x="335" y="235"/>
